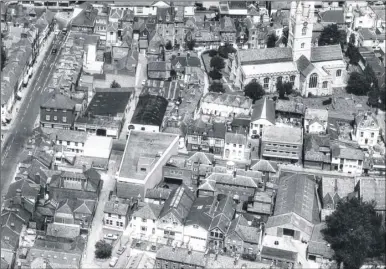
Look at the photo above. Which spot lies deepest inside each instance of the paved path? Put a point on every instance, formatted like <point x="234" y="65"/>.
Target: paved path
<point x="24" y="120"/>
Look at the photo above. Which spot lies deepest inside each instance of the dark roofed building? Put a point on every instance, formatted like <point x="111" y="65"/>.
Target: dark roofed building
<point x="110" y="102"/>
<point x="317" y="151"/>
<point x="168" y="256"/>
<point x="263" y="56"/>
<point x="85" y="21"/>
<point x="149" y="113"/>
<point x="326" y="53"/>
<point x="58" y="111"/>
<point x="296" y="207"/>
<point x="318" y="249"/>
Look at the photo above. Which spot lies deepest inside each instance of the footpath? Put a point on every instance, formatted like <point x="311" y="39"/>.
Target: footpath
<point x="25" y="90"/>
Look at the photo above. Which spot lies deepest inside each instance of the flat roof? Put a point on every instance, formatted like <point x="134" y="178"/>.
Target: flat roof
<point x="290" y="135"/>
<point x="141" y="145"/>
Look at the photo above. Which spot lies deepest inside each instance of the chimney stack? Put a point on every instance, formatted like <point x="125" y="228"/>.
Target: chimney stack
<point x="18" y="192"/>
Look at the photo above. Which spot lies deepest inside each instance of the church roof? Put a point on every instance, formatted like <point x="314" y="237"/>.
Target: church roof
<point x="305" y="67"/>
<point x="262" y="56"/>
<point x="326" y="53"/>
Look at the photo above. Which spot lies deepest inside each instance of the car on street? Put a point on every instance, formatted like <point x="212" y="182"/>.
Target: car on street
<point x="54" y="50"/>
<point x="113" y="261"/>
<point x="121" y="250"/>
<point x="111" y="236"/>
<point x="144" y="82"/>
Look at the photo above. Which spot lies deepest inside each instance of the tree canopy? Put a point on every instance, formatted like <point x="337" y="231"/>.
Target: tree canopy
<point x="354" y="232"/>
<point x="331" y="35"/>
<point x="217" y="63"/>
<point x="216" y="87"/>
<point x="212" y="52"/>
<point x="254" y="90"/>
<point x="3" y="57"/>
<point x="271" y="42"/>
<point x="285" y="36"/>
<point x="169" y="45"/>
<point x="215" y="75"/>
<point x="284" y="89"/>
<point x="223" y="51"/>
<point x="190" y="44"/>
<point x="103" y="249"/>
<point x="352" y="53"/>
<point x="115" y="84"/>
<point x="358" y="84"/>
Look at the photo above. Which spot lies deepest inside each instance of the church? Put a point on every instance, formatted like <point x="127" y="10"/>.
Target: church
<point x="312" y="70"/>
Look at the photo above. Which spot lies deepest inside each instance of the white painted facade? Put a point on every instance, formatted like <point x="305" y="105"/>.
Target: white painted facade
<point x="258" y="126"/>
<point x="196" y="237"/>
<point x="144" y="128"/>
<point x="348" y="166"/>
<point x="170" y="227"/>
<point x="114" y="221"/>
<point x="143" y="227"/>
<point x="234" y="152"/>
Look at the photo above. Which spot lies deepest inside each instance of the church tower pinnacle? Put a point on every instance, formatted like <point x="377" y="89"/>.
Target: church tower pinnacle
<point x="300" y="28"/>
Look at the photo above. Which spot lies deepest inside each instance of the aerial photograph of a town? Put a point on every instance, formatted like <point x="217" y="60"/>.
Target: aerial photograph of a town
<point x="193" y="134"/>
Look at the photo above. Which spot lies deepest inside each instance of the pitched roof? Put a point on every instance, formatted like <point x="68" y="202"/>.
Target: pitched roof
<point x="150" y="110"/>
<point x="179" y="203"/>
<point x="282" y="134"/>
<point x="264" y="109"/>
<point x="289" y="106"/>
<point x="148" y="211"/>
<point x="59" y="101"/>
<point x="234" y="138"/>
<point x="262" y="56"/>
<point x="264" y="166"/>
<point x="240" y="227"/>
<point x="181" y="255"/>
<point x="297" y="193"/>
<point x="228" y="100"/>
<point x="315" y="113"/>
<point x="333" y="16"/>
<point x="374" y="189"/>
<point x="198" y="214"/>
<point x="158" y="193"/>
<point x="317" y="245"/>
<point x="340" y="185"/>
<point x="63" y="230"/>
<point x="304" y="65"/>
<point x="326" y="53"/>
<point x="116" y="207"/>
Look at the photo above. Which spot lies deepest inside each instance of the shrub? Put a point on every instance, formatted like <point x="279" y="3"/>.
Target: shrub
<point x="103" y="250"/>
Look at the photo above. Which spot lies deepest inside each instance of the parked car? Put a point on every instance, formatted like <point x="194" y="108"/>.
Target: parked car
<point x="121" y="250"/>
<point x="113" y="261"/>
<point x="111" y="236"/>
<point x="144" y="82"/>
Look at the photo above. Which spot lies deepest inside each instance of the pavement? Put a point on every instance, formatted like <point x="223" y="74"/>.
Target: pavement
<point x="28" y="109"/>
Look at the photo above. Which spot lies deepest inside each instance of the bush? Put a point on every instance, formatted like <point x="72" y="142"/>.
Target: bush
<point x="115" y="84"/>
<point x="169" y="45"/>
<point x="327" y="102"/>
<point x="215" y="75"/>
<point x="103" y="250"/>
<point x="216" y="87"/>
<point x="212" y="53"/>
<point x="310" y="95"/>
<point x="217" y="63"/>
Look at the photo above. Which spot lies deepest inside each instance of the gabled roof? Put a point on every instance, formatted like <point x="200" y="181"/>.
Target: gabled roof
<point x="262" y="56"/>
<point x="333" y="16"/>
<point x="158" y="193"/>
<point x="337" y="185"/>
<point x="148" y="211"/>
<point x="326" y="53"/>
<point x="59" y="101"/>
<point x="63" y="230"/>
<point x="265" y="166"/>
<point x="264" y="109"/>
<point x="317" y="245"/>
<point x="244" y="231"/>
<point x="150" y="110"/>
<point x="179" y="203"/>
<point x="199" y="213"/>
<point x="305" y="67"/>
<point x="297" y="194"/>
<point x="374" y="189"/>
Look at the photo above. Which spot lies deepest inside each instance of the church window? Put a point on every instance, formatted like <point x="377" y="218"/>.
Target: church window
<point x="266" y="83"/>
<point x="292" y="79"/>
<point x="325" y="84"/>
<point x="302" y="45"/>
<point x="304" y="31"/>
<point x="313" y="81"/>
<point x="338" y="72"/>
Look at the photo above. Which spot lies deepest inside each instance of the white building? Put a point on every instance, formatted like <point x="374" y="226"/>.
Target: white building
<point x="225" y="105"/>
<point x="235" y="148"/>
<point x="263" y="114"/>
<point x="366" y="130"/>
<point x="144" y="221"/>
<point x="141" y="167"/>
<point x="98" y="147"/>
<point x="347" y="159"/>
<point x="90" y="63"/>
<point x="72" y="141"/>
<point x="315" y="121"/>
<point x="115" y="214"/>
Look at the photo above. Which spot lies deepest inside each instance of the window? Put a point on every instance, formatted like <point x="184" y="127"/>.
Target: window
<point x="266" y="83"/>
<point x="55" y="118"/>
<point x="117" y="223"/>
<point x="372" y="135"/>
<point x="143" y="228"/>
<point x="68" y="143"/>
<point x="234" y="145"/>
<point x="144" y="220"/>
<point x="48" y="110"/>
<point x="76" y="143"/>
<point x="175" y="223"/>
<point x="64" y="119"/>
<point x="304" y="31"/>
<point x="292" y="79"/>
<point x="338" y="72"/>
<point x="109" y="215"/>
<point x="302" y="45"/>
<point x="361" y="134"/>
<point x="48" y="117"/>
<point x="313" y="81"/>
<point x="64" y="111"/>
<point x="121" y="224"/>
<point x="119" y="216"/>
<point x="325" y="83"/>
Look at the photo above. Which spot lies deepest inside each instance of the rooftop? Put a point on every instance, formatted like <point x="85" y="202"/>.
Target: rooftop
<point x="59" y="101"/>
<point x="317" y="245"/>
<point x="373" y="189"/>
<point x="228" y="100"/>
<point x="326" y="53"/>
<point x="265" y="56"/>
<point x="264" y="109"/>
<point x="181" y="255"/>
<point x="282" y="134"/>
<point x="150" y="110"/>
<point x="321" y="114"/>
<point x="143" y="144"/>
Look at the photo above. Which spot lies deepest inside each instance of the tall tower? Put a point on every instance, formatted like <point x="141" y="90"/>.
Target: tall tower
<point x="300" y="28"/>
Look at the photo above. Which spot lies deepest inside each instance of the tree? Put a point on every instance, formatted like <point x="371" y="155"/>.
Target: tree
<point x="190" y="44"/>
<point x="382" y="95"/>
<point x="216" y="87"/>
<point x="352" y="53"/>
<point x="271" y="42"/>
<point x="354" y="232"/>
<point x="223" y="51"/>
<point x="352" y="39"/>
<point x="3" y="57"/>
<point x="169" y="45"/>
<point x="358" y="84"/>
<point x="288" y="86"/>
<point x="173" y="74"/>
<point x="331" y="35"/>
<point x="285" y="36"/>
<point x="115" y="84"/>
<point x="103" y="249"/>
<point x="215" y="75"/>
<point x="373" y="99"/>
<point x="212" y="53"/>
<point x="280" y="89"/>
<point x="217" y="63"/>
<point x="254" y="90"/>
<point x="371" y="77"/>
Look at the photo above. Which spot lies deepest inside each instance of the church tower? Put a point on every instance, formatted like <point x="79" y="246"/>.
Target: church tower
<point x="300" y="28"/>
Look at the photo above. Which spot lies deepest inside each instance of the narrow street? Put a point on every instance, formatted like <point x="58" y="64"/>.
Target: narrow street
<point x="23" y="122"/>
